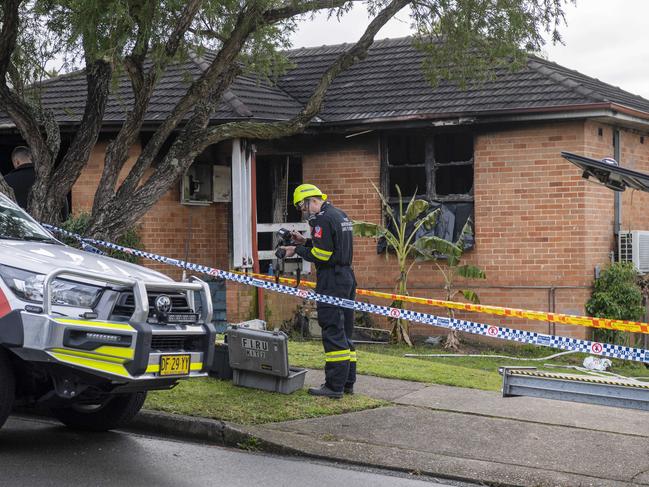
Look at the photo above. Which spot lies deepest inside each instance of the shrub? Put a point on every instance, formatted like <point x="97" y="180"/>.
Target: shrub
<point x="78" y="224"/>
<point x="616" y="295"/>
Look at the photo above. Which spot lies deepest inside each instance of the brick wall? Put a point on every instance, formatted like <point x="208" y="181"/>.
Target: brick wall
<point x="540" y="228"/>
<point x="164" y="229"/>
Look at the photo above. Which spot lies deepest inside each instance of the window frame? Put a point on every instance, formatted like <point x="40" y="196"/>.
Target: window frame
<point x="430" y="166"/>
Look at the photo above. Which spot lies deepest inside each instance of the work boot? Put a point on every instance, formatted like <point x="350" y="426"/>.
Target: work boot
<point x="349" y="389"/>
<point x="324" y="391"/>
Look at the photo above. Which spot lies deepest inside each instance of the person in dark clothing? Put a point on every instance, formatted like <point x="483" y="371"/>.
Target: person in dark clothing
<point x="330" y="248"/>
<point x="21" y="179"/>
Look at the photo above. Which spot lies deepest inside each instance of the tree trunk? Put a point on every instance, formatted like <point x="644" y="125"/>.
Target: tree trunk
<point x="134" y="197"/>
<point x="98" y="76"/>
<point x="6" y="189"/>
<point x="452" y="341"/>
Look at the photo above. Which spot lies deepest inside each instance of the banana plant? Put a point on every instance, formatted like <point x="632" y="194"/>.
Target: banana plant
<point x="433" y="249"/>
<point x="403" y="244"/>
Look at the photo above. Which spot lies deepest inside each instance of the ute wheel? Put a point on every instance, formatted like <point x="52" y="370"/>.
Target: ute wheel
<point x="7" y="387"/>
<point x="116" y="411"/>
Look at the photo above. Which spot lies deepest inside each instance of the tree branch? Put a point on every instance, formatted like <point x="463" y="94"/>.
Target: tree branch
<point x="98" y="76"/>
<point x="291" y="9"/>
<point x="199" y="90"/>
<point x="8" y="36"/>
<point x="6" y="189"/>
<point x="209" y="33"/>
<point x="142" y="86"/>
<point x="186" y="19"/>
<point x="272" y="130"/>
<point x="127" y="207"/>
<point x="247" y="22"/>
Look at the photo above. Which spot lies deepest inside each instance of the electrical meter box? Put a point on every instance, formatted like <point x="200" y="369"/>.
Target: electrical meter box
<point x="259" y="359"/>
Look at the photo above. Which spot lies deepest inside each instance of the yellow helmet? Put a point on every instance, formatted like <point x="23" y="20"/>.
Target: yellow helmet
<point x="304" y="191"/>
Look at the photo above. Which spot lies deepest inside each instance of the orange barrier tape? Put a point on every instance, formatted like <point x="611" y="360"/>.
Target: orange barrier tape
<point x="620" y="325"/>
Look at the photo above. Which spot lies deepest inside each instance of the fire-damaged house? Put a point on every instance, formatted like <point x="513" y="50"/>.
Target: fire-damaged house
<point x="489" y="152"/>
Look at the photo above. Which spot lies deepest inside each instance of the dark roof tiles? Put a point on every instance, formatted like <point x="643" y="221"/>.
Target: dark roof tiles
<point x="388" y="83"/>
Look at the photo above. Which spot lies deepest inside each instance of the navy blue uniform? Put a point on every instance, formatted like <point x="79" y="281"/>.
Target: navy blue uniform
<point x="21" y="181"/>
<point x="331" y="249"/>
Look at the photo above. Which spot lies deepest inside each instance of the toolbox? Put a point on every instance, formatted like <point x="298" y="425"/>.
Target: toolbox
<point x="259" y="359"/>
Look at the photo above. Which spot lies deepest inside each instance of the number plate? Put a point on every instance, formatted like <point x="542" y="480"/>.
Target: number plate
<point x="174" y="364"/>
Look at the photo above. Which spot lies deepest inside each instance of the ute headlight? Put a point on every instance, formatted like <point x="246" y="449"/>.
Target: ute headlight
<point x="29" y="286"/>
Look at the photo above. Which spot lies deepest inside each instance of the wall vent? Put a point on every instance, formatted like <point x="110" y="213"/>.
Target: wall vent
<point x="634" y="247"/>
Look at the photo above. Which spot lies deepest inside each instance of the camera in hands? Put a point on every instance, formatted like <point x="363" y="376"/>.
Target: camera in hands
<point x="285" y="239"/>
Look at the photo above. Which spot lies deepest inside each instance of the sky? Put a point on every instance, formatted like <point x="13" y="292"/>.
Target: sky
<point x="604" y="39"/>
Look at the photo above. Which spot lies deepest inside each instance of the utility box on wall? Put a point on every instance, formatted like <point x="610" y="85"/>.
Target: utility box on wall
<point x="196" y="185"/>
<point x="204" y="184"/>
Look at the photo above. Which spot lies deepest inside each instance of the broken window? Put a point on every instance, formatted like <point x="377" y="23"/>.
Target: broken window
<point x="277" y="177"/>
<point x="405" y="156"/>
<point x="434" y="166"/>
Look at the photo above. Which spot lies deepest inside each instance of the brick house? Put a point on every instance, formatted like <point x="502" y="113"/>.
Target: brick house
<point x="490" y="152"/>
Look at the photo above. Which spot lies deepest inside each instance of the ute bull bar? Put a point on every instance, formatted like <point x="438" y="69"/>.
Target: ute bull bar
<point x="139" y="288"/>
<point x="117" y="350"/>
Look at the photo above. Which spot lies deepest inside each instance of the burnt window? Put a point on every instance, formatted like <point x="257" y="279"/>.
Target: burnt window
<point x="436" y="166"/>
<point x="405" y="156"/>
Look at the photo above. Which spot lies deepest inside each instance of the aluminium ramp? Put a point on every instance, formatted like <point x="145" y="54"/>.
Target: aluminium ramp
<point x="528" y="381"/>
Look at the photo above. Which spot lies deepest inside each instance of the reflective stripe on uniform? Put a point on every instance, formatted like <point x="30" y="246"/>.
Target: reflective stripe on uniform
<point x="337" y="356"/>
<point x="320" y="254"/>
<point x="352" y="356"/>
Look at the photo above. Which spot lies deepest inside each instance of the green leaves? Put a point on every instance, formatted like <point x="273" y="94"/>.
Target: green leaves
<point x="366" y="229"/>
<point x="470" y="296"/>
<point x="415" y="208"/>
<point x="470" y="272"/>
<point x="616" y="294"/>
<point x="429" y="246"/>
<point x="467" y="231"/>
<point x="428" y="221"/>
<point x="468" y="40"/>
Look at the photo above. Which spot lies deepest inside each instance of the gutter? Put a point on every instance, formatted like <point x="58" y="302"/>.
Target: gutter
<point x="608" y="110"/>
<point x="620" y="113"/>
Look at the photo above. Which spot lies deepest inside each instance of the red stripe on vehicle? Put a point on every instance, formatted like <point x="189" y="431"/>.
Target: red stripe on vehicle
<point x="4" y="305"/>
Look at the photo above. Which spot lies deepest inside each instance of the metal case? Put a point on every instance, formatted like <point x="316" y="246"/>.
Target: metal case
<point x="260" y="351"/>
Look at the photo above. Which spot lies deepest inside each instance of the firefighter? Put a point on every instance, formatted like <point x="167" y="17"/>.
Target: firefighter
<point x="330" y="248"/>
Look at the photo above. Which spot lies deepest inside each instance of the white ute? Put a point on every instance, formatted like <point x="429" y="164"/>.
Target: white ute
<point x="87" y="335"/>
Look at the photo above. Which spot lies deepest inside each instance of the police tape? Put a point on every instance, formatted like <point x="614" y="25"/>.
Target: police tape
<point x="588" y="321"/>
<point x="504" y="333"/>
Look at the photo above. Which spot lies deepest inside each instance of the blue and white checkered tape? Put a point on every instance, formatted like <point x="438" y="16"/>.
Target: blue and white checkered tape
<point x="504" y="333"/>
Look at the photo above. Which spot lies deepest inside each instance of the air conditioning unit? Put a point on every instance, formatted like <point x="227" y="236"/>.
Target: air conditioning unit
<point x="634" y="247"/>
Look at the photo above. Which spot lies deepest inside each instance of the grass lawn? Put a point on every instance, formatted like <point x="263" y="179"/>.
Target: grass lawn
<point x="218" y="399"/>
<point x="473" y="372"/>
<point x="212" y="398"/>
